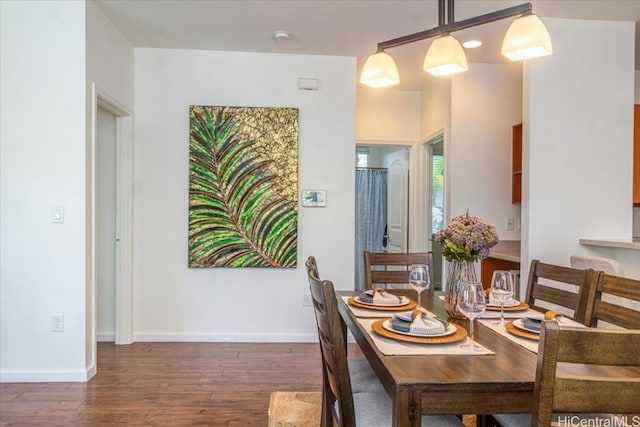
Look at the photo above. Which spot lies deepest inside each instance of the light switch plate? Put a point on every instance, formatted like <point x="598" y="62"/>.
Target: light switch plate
<point x="509" y="224"/>
<point x="57" y="215"/>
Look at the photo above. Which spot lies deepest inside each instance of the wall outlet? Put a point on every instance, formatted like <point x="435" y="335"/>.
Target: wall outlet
<point x="509" y="224"/>
<point x="57" y="323"/>
<point x="306" y="300"/>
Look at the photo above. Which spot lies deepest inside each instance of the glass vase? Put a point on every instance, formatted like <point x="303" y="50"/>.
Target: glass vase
<point x="459" y="272"/>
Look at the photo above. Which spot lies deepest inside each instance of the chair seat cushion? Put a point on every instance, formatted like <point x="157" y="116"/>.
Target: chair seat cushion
<point x="363" y="378"/>
<point x="374" y="410"/>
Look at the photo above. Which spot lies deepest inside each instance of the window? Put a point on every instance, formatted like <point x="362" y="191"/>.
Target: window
<point x="437" y="193"/>
<point x="362" y="157"/>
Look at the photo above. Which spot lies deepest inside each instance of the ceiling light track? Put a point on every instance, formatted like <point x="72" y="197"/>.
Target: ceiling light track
<point x="527" y="37"/>
<point x="456" y="26"/>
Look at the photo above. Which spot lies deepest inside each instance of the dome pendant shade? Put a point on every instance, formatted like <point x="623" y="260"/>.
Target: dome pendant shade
<point x="527" y="37"/>
<point x="445" y="56"/>
<point x="380" y="70"/>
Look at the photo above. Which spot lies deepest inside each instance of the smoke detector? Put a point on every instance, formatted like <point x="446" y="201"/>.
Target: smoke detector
<point x="280" y="36"/>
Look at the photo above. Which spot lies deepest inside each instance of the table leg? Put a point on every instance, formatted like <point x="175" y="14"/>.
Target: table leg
<point x="407" y="409"/>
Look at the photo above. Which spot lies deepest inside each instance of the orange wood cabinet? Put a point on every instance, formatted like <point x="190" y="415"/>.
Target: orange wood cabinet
<point x="488" y="266"/>
<point x="516" y="163"/>
<point x="636" y="155"/>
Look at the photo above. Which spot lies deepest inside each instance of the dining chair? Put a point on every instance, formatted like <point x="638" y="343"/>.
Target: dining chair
<point x="596" y="263"/>
<point x="614" y="300"/>
<point x="565" y="288"/>
<point x="578" y="398"/>
<point x="363" y="379"/>
<point x="396" y="267"/>
<point x="341" y="406"/>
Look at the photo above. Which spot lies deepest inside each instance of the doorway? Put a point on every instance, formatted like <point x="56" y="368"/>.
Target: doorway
<point x="382" y="202"/>
<point x="105" y="225"/>
<point x="435" y="160"/>
<point x="110" y="294"/>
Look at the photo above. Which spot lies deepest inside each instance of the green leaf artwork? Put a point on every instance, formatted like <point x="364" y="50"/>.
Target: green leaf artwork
<point x="243" y="186"/>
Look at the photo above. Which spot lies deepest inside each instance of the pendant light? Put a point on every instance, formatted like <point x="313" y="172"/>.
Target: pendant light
<point x="380" y="70"/>
<point x="445" y="56"/>
<point x="527" y="37"/>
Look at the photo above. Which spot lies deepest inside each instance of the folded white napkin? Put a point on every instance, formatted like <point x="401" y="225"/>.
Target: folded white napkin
<point x="493" y="300"/>
<point x="425" y="325"/>
<point x="380" y="297"/>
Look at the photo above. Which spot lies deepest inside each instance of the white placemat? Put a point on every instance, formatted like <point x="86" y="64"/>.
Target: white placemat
<point x="490" y="314"/>
<point x="531" y="345"/>
<point x="388" y="346"/>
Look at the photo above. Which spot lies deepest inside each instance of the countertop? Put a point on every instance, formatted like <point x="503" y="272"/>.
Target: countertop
<point x="506" y="250"/>
<point x="633" y="243"/>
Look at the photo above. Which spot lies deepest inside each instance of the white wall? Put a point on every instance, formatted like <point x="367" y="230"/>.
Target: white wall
<point x="435" y="118"/>
<point x="577" y="139"/>
<point x="435" y="114"/>
<point x="43" y="164"/>
<point x="387" y="115"/>
<point x="109" y="57"/>
<point x="109" y="68"/>
<point x="486" y="102"/>
<point x="173" y="302"/>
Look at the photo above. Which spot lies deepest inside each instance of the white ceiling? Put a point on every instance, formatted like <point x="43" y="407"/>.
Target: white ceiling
<point x="334" y="27"/>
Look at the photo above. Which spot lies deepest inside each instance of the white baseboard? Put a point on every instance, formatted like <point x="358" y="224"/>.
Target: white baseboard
<point x="80" y="375"/>
<point x="106" y="337"/>
<point x="44" y="375"/>
<point x="178" y="337"/>
<point x="91" y="372"/>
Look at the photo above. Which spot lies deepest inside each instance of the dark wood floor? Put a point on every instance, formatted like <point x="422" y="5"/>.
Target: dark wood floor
<point x="169" y="384"/>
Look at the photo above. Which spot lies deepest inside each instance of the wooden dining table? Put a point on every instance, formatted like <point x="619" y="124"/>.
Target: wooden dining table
<point x="450" y="384"/>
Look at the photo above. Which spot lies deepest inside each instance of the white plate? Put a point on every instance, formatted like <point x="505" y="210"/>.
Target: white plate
<point x="518" y="324"/>
<point x="513" y="303"/>
<point x="451" y="329"/>
<point x="404" y="301"/>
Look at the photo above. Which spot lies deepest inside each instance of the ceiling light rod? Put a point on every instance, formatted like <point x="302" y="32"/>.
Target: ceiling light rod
<point x="524" y="8"/>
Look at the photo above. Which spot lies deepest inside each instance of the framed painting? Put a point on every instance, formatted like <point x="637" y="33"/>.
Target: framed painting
<point x="243" y="187"/>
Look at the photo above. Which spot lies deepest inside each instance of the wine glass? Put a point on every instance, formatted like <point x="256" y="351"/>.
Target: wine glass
<point x="501" y="290"/>
<point x="471" y="303"/>
<point x="419" y="279"/>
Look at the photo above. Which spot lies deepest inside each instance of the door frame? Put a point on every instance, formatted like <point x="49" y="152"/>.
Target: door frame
<point x="427" y="144"/>
<point x="124" y="218"/>
<point x="416" y="189"/>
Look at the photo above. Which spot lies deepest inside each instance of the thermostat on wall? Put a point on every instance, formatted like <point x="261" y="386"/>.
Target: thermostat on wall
<point x="307" y="84"/>
<point x="317" y="198"/>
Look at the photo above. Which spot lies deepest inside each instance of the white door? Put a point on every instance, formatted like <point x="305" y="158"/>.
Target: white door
<point x="398" y="200"/>
<point x="106" y="224"/>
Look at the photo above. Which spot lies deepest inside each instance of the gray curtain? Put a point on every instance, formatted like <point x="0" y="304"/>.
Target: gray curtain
<point x="371" y="217"/>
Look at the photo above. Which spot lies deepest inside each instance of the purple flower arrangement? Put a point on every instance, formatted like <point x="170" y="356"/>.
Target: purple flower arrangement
<point x="466" y="238"/>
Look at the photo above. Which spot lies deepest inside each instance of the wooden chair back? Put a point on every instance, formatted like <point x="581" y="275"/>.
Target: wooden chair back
<point x="338" y="408"/>
<point x="396" y="265"/>
<point x="539" y="291"/>
<point x="616" y="391"/>
<point x="612" y="311"/>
